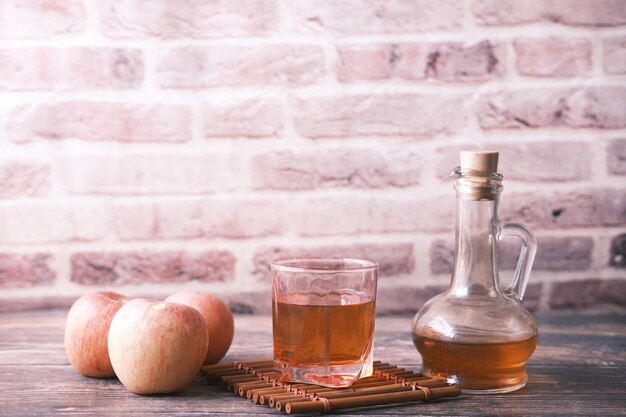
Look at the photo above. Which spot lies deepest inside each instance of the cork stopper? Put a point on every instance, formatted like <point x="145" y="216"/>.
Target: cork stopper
<point x="483" y="161"/>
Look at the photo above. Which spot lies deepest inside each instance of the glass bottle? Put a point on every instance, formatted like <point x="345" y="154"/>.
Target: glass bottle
<point x="475" y="334"/>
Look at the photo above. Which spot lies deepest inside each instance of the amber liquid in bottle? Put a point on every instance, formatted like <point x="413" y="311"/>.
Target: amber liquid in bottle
<point x="477" y="366"/>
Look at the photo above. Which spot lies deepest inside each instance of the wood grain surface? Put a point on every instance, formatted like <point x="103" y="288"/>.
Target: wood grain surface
<point x="579" y="369"/>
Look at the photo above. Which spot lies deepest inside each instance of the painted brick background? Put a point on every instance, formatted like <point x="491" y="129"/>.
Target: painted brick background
<point x="150" y="147"/>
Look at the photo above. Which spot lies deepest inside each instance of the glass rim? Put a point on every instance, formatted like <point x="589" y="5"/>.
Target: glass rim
<point x="295" y="265"/>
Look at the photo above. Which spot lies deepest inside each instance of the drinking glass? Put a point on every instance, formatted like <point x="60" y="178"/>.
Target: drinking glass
<point x="323" y="314"/>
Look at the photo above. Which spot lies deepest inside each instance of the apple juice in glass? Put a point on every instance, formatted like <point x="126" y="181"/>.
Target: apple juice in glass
<point x="323" y="319"/>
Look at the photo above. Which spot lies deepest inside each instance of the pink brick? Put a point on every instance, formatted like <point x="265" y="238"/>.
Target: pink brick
<point x="532" y="296"/>
<point x="285" y="170"/>
<point x="45" y="222"/>
<point x="588" y="293"/>
<point x="457" y="62"/>
<point x="245" y="218"/>
<point x="116" y="268"/>
<point x="24" y="178"/>
<point x="405" y="300"/>
<point x="148" y="173"/>
<point x="353" y="215"/>
<point x="568" y="12"/>
<point x="359" y="168"/>
<point x="603" y="107"/>
<point x="137" y="221"/>
<point x="600" y="107"/>
<point x="617" y="255"/>
<point x="17" y="270"/>
<point x="408" y="300"/>
<point x="566" y="209"/>
<point x="442" y="257"/>
<point x="445" y="61"/>
<point x="529" y="162"/>
<point x="208" y="218"/>
<point x="179" y="219"/>
<point x="189" y="19"/>
<point x="382" y="62"/>
<point x="378" y="115"/>
<point x="371" y="16"/>
<point x="234" y="65"/>
<point x="571" y="253"/>
<point x="614" y="55"/>
<point x="616" y="157"/>
<point x="173" y="219"/>
<point x="553" y="57"/>
<point x="251" y="118"/>
<point x="99" y="121"/>
<point x="70" y="69"/>
<point x="41" y="18"/>
<point x="393" y="258"/>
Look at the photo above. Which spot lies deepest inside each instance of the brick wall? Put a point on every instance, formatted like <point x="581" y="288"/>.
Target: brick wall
<point x="148" y="147"/>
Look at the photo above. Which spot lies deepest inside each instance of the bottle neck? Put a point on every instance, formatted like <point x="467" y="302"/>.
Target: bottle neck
<point x="477" y="224"/>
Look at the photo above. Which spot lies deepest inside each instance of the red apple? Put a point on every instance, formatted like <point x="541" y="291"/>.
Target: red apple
<point x="87" y="330"/>
<point x="218" y="318"/>
<point x="157" y="347"/>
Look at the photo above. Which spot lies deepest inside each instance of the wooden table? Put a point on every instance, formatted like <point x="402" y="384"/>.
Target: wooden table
<point x="579" y="369"/>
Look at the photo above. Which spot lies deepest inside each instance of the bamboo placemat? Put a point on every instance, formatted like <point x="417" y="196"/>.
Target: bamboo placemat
<point x="257" y="381"/>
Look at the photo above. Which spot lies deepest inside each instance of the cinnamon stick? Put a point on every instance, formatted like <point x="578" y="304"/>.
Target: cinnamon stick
<point x="242" y="364"/>
<point x="381" y="389"/>
<point x="413" y="378"/>
<point x="298" y="388"/>
<point x="238" y="377"/>
<point x="256" y="394"/>
<point x="261" y="369"/>
<point x="251" y="391"/>
<point x="314" y="389"/>
<point x="385" y="368"/>
<point x="226" y="375"/>
<point x="265" y="397"/>
<point x="280" y="405"/>
<point x="241" y="387"/>
<point x="392" y="369"/>
<point x="423" y="378"/>
<point x="273" y="399"/>
<point x="322" y="393"/>
<point x="378" y="364"/>
<point x="234" y="385"/>
<point x="258" y="362"/>
<point x="401" y="373"/>
<point x="226" y="372"/>
<point x="358" y="383"/>
<point x="391" y="373"/>
<point x="271" y="372"/>
<point x="396" y="377"/>
<point x="270" y="377"/>
<point x="367" y="380"/>
<point x="366" y="400"/>
<point x="367" y="391"/>
<point x="428" y="383"/>
<point x="210" y="368"/>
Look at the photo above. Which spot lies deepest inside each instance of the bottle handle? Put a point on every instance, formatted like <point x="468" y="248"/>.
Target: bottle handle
<point x="526" y="257"/>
